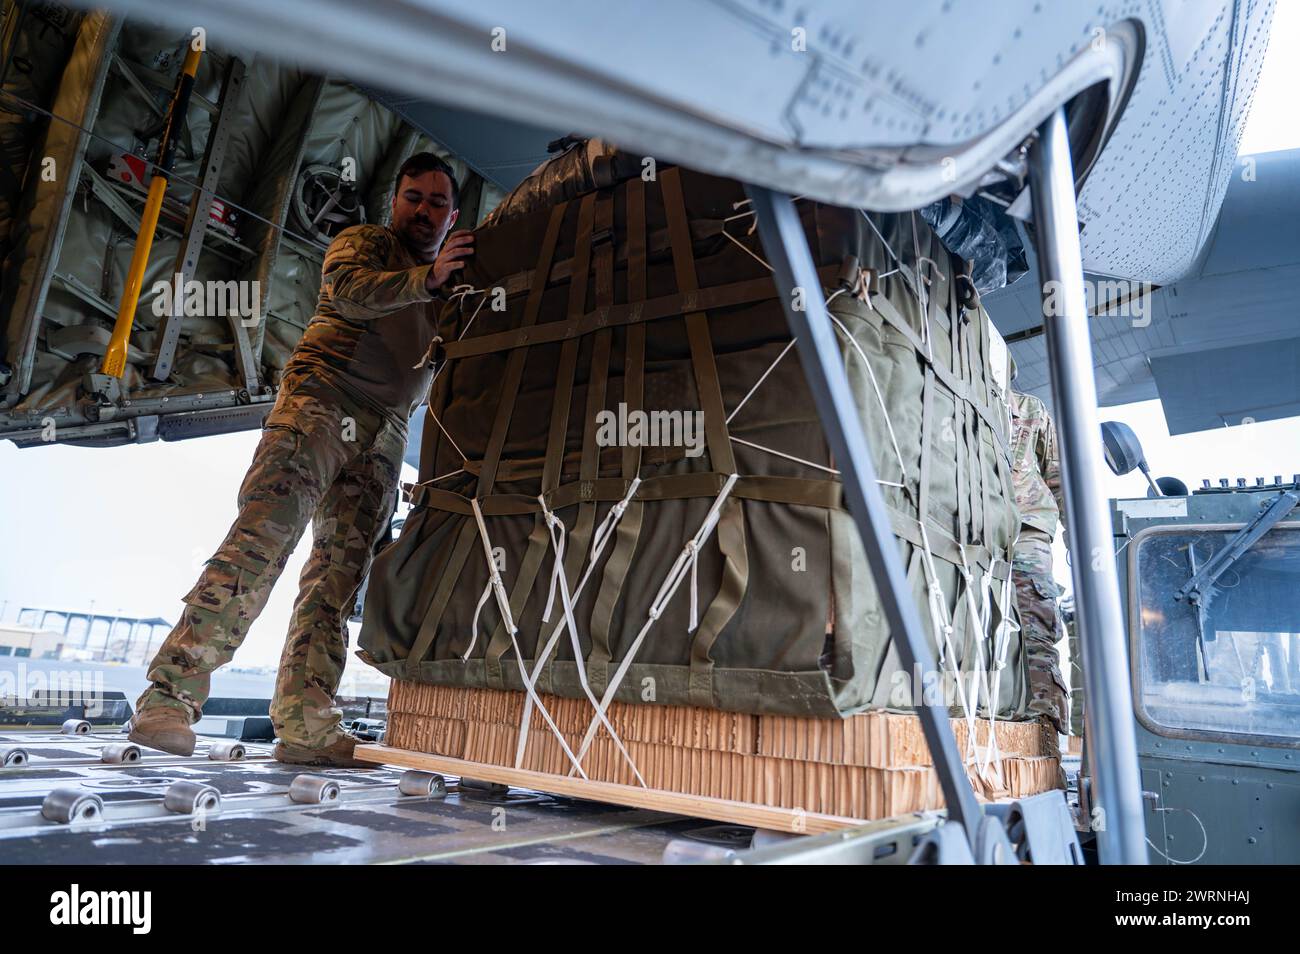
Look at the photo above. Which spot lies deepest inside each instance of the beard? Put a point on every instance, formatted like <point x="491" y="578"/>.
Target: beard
<point x="421" y="236"/>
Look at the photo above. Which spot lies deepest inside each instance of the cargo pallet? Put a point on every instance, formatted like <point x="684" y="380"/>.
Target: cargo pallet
<point x="780" y="773"/>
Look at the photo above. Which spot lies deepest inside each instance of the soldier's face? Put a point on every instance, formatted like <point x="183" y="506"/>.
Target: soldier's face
<point x="422" y="212"/>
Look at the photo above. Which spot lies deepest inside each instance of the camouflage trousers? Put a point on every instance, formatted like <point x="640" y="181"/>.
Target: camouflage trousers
<point x="1036" y="594"/>
<point x="1076" y="680"/>
<point x="324" y="458"/>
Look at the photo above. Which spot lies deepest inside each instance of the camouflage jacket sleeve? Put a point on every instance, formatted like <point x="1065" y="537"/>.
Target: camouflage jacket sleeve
<point x="359" y="277"/>
<point x="1049" y="463"/>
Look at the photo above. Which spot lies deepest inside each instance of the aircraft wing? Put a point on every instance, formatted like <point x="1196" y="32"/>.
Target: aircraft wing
<point x="1219" y="346"/>
<point x="879" y="105"/>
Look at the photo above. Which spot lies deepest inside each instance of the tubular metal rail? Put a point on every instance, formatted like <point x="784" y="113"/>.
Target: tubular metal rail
<point x="1114" y="749"/>
<point x="1099" y="616"/>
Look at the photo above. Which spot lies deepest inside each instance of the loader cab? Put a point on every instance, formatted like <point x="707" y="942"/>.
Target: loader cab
<point x="1211" y="586"/>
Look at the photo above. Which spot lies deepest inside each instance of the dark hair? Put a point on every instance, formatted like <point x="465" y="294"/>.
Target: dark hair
<point x="422" y="162"/>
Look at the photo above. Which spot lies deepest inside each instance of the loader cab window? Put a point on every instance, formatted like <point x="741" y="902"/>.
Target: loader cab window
<point x="1232" y="668"/>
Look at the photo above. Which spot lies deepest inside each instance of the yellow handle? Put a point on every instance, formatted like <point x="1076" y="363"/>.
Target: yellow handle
<point x="115" y="355"/>
<point x="191" y="65"/>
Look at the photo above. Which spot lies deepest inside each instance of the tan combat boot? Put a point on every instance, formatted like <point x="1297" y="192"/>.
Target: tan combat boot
<point x="335" y="755"/>
<point x="165" y="728"/>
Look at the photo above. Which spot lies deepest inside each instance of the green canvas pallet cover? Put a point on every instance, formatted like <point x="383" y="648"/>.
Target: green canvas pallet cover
<point x="633" y="295"/>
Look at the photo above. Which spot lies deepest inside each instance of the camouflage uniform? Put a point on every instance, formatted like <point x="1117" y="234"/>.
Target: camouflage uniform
<point x="1036" y="475"/>
<point x="1076" y="669"/>
<point x="330" y="454"/>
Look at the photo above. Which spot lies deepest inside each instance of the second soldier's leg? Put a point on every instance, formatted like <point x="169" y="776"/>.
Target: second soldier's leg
<point x="1036" y="593"/>
<point x="1038" y="624"/>
<point x="349" y="521"/>
<point x="1076" y="681"/>
<point x="276" y="500"/>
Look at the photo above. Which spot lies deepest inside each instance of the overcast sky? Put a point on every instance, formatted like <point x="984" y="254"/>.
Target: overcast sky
<point x="128" y="528"/>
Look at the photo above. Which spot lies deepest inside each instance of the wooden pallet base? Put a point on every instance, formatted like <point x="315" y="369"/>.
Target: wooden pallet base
<point x="674" y="803"/>
<point x="870" y="766"/>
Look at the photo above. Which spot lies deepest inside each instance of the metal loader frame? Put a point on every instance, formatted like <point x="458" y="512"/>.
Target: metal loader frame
<point x="1113" y="753"/>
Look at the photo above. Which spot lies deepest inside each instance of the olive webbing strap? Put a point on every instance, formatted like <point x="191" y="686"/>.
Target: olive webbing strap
<point x="971" y="349"/>
<point x="961" y="448"/>
<point x="800" y="491"/>
<point x="974" y="635"/>
<point x="985" y="371"/>
<point x="1006" y="482"/>
<point x="747" y="291"/>
<point x="629" y="528"/>
<point x="730" y="526"/>
<point x="705" y="367"/>
<point x="970" y="353"/>
<point x="597" y="383"/>
<point x="492" y="457"/>
<point x="657" y="241"/>
<point x="927" y="438"/>
<point x="915" y="570"/>
<point x="515" y="364"/>
<point x="891" y="316"/>
<point x="600" y="250"/>
<point x="539" y="541"/>
<point x="826" y="493"/>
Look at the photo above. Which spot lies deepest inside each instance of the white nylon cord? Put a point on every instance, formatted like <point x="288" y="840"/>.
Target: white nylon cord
<point x="494" y="584"/>
<point x="437" y="340"/>
<point x="888" y="248"/>
<point x="503" y="604"/>
<point x="979" y="677"/>
<point x="688" y="559"/>
<point x="938" y="603"/>
<point x="1002" y="636"/>
<point x="556" y="531"/>
<point x="917" y="283"/>
<point x="604" y="533"/>
<point x="746" y="249"/>
<point x="599" y="540"/>
<point x="991" y="700"/>
<point x="777" y="453"/>
<point x="880" y="398"/>
<point x="761" y="379"/>
<point x="444" y="431"/>
<point x="557" y="541"/>
<point x="428" y="354"/>
<point x="461" y="292"/>
<point x="806" y="463"/>
<point x="667" y="589"/>
<point x="482" y="601"/>
<point x="937" y="599"/>
<point x="921" y="293"/>
<point x="753" y="226"/>
<point x="767" y="450"/>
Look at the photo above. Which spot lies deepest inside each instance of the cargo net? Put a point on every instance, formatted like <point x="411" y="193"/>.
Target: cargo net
<point x="974" y="688"/>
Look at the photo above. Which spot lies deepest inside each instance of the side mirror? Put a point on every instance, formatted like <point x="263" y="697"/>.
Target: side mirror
<point x="1123" y="450"/>
<point x="1169" y="487"/>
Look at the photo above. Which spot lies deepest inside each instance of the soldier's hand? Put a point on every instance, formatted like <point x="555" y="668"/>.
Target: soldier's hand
<point x="451" y="259"/>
